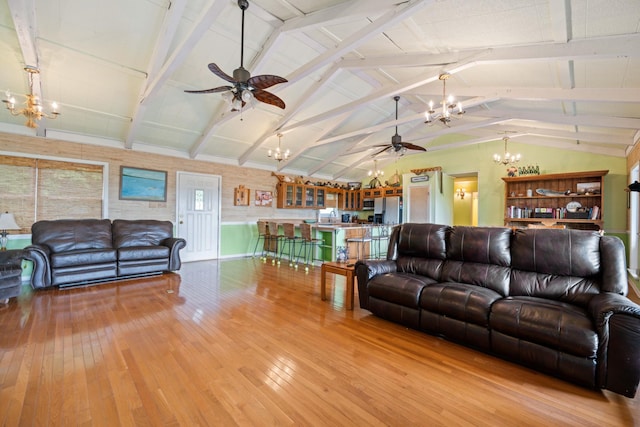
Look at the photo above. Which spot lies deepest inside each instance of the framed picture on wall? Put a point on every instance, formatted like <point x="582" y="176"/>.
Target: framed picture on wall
<point x="264" y="198"/>
<point x="143" y="184"/>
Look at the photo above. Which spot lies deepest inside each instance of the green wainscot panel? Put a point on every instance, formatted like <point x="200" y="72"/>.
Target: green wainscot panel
<point x="238" y="239"/>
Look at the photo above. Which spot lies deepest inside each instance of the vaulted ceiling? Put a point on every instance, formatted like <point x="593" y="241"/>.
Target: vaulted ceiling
<point x="561" y="73"/>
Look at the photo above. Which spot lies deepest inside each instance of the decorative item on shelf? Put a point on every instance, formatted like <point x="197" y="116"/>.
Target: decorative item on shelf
<point x="506" y="158"/>
<point x="281" y="178"/>
<point x="375" y="183"/>
<point x="460" y="193"/>
<point x="278" y="154"/>
<point x="552" y="193"/>
<point x="33" y="111"/>
<point x="529" y="170"/>
<point x="395" y="180"/>
<point x="449" y="105"/>
<point x="588" y="188"/>
<point x="7" y="222"/>
<point x="241" y="196"/>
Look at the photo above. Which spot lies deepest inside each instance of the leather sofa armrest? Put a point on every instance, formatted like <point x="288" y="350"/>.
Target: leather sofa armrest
<point x="41" y="273"/>
<point x="175" y="244"/>
<point x="11" y="257"/>
<point x="368" y="269"/>
<point x="617" y="320"/>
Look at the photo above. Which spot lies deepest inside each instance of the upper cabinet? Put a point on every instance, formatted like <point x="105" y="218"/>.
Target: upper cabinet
<point x="301" y="196"/>
<point x="570" y="199"/>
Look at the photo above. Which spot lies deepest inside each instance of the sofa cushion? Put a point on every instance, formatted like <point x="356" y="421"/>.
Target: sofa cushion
<point x="459" y="301"/>
<point x="553" y="324"/>
<point x="65" y="235"/>
<point x="82" y="257"/>
<point x="562" y="265"/>
<point x="129" y="233"/>
<point x="479" y="256"/>
<point x="399" y="288"/>
<point x="421" y="249"/>
<point x="143" y="252"/>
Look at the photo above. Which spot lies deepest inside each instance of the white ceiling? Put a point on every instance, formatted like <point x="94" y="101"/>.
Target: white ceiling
<point x="562" y="73"/>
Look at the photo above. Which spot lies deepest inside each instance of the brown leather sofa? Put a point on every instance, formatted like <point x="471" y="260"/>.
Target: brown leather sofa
<point x="76" y="252"/>
<point x="551" y="299"/>
<point x="10" y="274"/>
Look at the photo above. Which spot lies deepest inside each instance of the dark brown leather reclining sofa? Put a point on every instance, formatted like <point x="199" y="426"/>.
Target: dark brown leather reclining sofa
<point x="75" y="252"/>
<point x="551" y="299"/>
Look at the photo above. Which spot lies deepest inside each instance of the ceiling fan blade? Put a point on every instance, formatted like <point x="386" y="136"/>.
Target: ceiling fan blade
<point x="218" y="72"/>
<point x="411" y="146"/>
<point x="381" y="151"/>
<point x="265" y="81"/>
<point x="213" y="90"/>
<point x="268" y="98"/>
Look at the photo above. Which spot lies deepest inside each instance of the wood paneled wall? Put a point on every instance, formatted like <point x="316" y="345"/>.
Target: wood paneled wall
<point x="232" y="176"/>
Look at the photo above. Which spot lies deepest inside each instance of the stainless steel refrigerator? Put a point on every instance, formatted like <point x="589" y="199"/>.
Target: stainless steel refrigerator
<point x="387" y="210"/>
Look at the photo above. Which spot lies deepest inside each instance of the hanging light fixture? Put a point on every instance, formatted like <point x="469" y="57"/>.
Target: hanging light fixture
<point x="33" y="111"/>
<point x="375" y="172"/>
<point x="278" y="154"/>
<point x="507" y="158"/>
<point x="449" y="105"/>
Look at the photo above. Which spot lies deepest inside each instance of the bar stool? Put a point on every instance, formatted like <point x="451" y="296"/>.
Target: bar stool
<point x="361" y="240"/>
<point x="263" y="235"/>
<point x="309" y="245"/>
<point x="275" y="241"/>
<point x="379" y="234"/>
<point x="289" y="242"/>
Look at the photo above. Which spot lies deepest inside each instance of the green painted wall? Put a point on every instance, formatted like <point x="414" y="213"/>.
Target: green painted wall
<point x="478" y="159"/>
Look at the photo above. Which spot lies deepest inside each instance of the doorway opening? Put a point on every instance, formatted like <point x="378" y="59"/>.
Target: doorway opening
<point x="465" y="199"/>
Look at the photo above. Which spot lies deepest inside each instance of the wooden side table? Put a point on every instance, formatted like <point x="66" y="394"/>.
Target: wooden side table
<point x="343" y="269"/>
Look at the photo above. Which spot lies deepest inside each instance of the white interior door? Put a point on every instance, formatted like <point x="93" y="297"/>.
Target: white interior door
<point x="198" y="214"/>
<point x="417" y="202"/>
<point x="634" y="221"/>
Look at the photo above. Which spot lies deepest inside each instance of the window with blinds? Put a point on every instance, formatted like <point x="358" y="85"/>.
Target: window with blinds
<point x="35" y="189"/>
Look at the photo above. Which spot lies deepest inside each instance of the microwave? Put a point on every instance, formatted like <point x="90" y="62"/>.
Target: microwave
<point x="367" y="204"/>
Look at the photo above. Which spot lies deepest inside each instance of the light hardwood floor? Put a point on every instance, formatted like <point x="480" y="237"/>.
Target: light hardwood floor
<point x="239" y="342"/>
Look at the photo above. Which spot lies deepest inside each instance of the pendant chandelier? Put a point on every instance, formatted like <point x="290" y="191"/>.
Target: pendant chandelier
<point x="375" y="172"/>
<point x="33" y="111"/>
<point x="449" y="105"/>
<point x="507" y="158"/>
<point x="278" y="154"/>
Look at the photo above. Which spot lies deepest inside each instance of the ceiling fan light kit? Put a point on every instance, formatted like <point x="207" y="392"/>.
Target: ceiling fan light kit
<point x="449" y="105"/>
<point x="245" y="88"/>
<point x="397" y="146"/>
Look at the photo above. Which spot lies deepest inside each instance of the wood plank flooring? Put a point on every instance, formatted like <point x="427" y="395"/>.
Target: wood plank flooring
<point x="239" y="342"/>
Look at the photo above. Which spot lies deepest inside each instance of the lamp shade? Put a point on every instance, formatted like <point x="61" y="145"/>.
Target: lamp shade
<point x="8" y="222"/>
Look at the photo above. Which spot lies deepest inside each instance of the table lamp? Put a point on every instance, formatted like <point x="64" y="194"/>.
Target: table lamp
<point x="7" y="222"/>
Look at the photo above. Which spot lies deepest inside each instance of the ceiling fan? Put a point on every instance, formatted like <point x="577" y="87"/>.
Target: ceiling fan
<point x="245" y="88"/>
<point x="397" y="146"/>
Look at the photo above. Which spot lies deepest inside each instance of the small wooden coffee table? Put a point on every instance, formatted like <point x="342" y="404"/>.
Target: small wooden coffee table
<point x="346" y="269"/>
